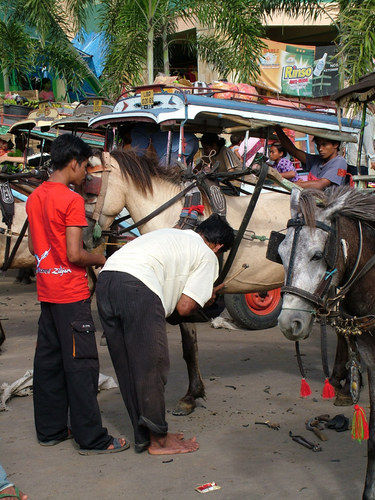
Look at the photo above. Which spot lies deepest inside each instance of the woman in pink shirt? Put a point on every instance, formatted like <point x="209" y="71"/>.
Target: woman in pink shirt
<point x="46" y="94"/>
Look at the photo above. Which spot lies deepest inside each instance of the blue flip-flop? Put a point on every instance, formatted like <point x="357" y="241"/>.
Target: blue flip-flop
<point x="116" y="449"/>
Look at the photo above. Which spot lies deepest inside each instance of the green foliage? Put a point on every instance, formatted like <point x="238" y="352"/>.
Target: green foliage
<point x="38" y="37"/>
<point x="228" y="33"/>
<point x="356" y="41"/>
<point x="17" y="50"/>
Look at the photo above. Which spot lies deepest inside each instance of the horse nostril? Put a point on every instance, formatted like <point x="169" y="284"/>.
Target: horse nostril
<point x="297" y="328"/>
<point x="292" y="328"/>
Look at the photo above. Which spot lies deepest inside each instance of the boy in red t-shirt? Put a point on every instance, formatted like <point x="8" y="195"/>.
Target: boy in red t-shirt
<point x="66" y="366"/>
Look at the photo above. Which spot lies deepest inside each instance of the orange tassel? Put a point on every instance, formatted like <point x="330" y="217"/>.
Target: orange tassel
<point x="359" y="424"/>
<point x="328" y="390"/>
<point x="305" y="389"/>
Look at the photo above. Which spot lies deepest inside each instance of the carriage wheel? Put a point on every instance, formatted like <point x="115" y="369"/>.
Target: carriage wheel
<point x="255" y="311"/>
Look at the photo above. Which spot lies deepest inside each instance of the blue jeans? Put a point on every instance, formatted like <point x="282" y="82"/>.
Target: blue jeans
<point x="4" y="483"/>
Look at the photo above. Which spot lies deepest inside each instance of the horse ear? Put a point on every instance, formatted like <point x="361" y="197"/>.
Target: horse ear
<point x="336" y="206"/>
<point x="294" y="199"/>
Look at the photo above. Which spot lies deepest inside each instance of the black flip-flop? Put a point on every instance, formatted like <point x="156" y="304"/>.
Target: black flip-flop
<point x="53" y="442"/>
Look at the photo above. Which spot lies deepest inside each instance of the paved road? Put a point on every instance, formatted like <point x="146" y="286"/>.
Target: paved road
<point x="249" y="377"/>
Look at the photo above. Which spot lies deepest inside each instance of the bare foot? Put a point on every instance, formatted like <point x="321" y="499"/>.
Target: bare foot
<point x="171" y="444"/>
<point x="178" y="435"/>
<point x="12" y="494"/>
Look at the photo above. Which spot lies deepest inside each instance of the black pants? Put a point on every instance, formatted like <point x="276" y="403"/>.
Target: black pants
<point x="66" y="371"/>
<point x="133" y="320"/>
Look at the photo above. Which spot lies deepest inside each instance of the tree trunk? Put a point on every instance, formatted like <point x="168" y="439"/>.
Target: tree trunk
<point x="150" y="56"/>
<point x="165" y="53"/>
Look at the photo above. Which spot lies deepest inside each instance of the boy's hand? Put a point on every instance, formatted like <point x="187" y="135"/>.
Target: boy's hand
<point x="102" y="261"/>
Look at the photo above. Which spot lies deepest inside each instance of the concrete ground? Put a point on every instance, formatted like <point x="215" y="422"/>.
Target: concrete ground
<point x="250" y="376"/>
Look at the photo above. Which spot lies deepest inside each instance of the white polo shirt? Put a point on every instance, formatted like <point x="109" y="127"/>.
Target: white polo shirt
<point x="170" y="262"/>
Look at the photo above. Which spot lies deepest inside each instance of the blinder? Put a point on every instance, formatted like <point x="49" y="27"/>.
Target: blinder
<point x="275" y="239"/>
<point x="331" y="247"/>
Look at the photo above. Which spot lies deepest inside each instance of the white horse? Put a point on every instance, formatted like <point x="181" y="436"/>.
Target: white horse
<point x="138" y="184"/>
<point x="23" y="257"/>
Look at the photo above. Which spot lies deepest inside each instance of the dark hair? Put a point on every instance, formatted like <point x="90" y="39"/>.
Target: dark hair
<point x="332" y="141"/>
<point x="217" y="230"/>
<point x="236" y="139"/>
<point x="210" y="139"/>
<point x="45" y="80"/>
<point x="279" y="148"/>
<point x="68" y="147"/>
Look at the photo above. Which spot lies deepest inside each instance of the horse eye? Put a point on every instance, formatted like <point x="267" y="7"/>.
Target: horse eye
<point x="317" y="256"/>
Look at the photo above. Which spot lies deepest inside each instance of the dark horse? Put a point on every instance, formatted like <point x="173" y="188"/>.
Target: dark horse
<point x="328" y="257"/>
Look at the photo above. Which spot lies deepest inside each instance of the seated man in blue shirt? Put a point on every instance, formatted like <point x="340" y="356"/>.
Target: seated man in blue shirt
<point x="325" y="169"/>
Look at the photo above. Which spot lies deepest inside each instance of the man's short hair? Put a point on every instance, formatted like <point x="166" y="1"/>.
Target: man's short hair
<point x="216" y="230"/>
<point x="69" y="147"/>
<point x="332" y="141"/>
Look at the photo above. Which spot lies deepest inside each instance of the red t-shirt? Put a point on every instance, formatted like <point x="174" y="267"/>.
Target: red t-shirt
<point x="50" y="209"/>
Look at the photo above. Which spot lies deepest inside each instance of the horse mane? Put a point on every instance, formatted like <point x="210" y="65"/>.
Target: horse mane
<point x="337" y="200"/>
<point x="141" y="169"/>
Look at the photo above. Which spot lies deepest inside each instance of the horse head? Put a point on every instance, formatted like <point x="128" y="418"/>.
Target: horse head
<point x="105" y="196"/>
<point x="309" y="255"/>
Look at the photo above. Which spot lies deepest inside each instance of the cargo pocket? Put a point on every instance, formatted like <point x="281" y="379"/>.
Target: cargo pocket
<point x="84" y="344"/>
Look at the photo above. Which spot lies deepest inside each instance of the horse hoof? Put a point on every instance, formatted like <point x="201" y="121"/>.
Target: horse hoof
<point x="183" y="408"/>
<point x="343" y="400"/>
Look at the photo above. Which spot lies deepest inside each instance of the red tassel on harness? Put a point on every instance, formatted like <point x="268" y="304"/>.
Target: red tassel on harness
<point x="305" y="389"/>
<point x="198" y="208"/>
<point x="328" y="390"/>
<point x="359" y="424"/>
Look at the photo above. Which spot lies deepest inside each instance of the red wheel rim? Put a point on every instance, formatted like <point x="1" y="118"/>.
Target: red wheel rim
<point x="263" y="303"/>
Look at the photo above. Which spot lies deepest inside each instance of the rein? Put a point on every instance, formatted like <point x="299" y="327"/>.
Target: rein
<point x="157" y="211"/>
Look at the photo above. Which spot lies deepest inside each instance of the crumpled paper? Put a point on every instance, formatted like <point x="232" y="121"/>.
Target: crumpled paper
<point x="24" y="387"/>
<point x="224" y="321"/>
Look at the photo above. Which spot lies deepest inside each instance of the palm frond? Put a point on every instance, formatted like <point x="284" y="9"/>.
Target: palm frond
<point x="356" y="40"/>
<point x="17" y="49"/>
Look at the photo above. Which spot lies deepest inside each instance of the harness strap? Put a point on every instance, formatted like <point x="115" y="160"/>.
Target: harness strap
<point x="343" y="291"/>
<point x="245" y="221"/>
<point x="323" y="345"/>
<point x="303" y="294"/>
<point x="8" y="259"/>
<point x="158" y="211"/>
<point x="103" y="190"/>
<point x="299" y="360"/>
<point x="318" y="223"/>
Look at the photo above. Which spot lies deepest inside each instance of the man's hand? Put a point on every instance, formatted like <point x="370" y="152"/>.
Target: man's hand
<point x="214" y="295"/>
<point x="316" y="184"/>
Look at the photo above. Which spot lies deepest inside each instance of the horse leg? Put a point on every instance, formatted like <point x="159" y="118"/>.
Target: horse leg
<point x="340" y="373"/>
<point x="367" y="353"/>
<point x="369" y="492"/>
<point x="190" y="354"/>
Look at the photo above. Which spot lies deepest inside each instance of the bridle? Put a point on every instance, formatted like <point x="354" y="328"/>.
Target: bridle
<point x="320" y="296"/>
<point x="326" y="297"/>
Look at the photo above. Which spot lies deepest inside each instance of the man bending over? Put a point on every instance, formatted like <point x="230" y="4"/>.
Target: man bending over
<point x="140" y="285"/>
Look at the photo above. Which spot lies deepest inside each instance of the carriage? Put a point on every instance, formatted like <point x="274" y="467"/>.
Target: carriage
<point x="174" y="116"/>
<point x="170" y="118"/>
